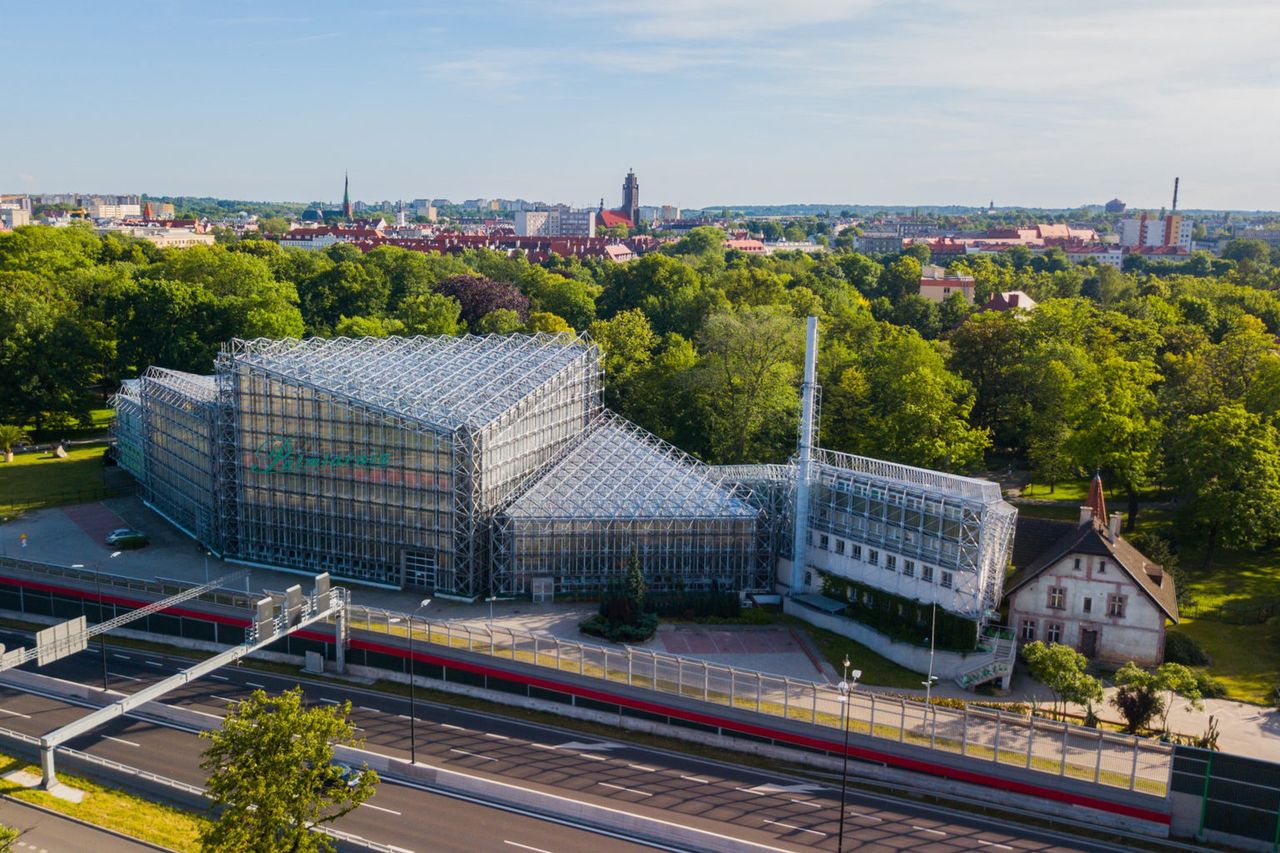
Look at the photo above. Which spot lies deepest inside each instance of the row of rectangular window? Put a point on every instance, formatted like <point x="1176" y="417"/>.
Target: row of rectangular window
<point x="1115" y="603"/>
<point x="1052" y="631"/>
<point x="946" y="579"/>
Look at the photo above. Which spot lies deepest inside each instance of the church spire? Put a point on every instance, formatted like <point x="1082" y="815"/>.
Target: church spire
<point x="346" y="195"/>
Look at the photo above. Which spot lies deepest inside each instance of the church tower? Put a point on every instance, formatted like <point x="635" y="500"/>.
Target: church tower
<point x="346" y="195"/>
<point x="631" y="198"/>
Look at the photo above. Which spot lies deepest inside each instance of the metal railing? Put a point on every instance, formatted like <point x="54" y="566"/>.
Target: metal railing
<point x="238" y="599"/>
<point x="1001" y="737"/>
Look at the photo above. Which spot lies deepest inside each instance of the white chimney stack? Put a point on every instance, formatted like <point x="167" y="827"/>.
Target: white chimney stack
<point x="1114" y="527"/>
<point x="1086" y="514"/>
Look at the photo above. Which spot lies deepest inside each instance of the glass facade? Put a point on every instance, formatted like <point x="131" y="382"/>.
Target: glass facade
<point x="621" y="494"/>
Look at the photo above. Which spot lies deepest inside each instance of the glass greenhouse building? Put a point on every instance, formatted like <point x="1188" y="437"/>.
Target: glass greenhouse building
<point x="459" y="465"/>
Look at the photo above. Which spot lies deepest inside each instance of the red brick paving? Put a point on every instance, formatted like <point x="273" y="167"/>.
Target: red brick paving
<point x="95" y="519"/>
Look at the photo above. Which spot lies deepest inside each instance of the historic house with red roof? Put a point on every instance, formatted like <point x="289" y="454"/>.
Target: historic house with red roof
<point x="1084" y="586"/>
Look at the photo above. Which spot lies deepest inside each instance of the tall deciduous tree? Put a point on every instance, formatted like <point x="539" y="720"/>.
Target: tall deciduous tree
<point x="1227" y="464"/>
<point x="747" y="382"/>
<point x="271" y="773"/>
<point x="901" y="403"/>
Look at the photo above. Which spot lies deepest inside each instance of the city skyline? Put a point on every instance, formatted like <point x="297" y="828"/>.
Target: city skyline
<point x="711" y="102"/>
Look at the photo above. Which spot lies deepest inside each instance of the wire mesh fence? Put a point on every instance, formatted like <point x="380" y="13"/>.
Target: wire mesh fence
<point x="1001" y="737"/>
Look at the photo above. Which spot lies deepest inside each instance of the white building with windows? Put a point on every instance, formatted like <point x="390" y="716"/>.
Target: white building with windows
<point x="559" y="221"/>
<point x="1084" y="586"/>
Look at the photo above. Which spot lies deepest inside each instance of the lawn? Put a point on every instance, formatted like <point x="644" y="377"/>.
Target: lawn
<point x="35" y="480"/>
<point x="170" y="827"/>
<point x="100" y="419"/>
<point x="1076" y="491"/>
<point x="876" y="670"/>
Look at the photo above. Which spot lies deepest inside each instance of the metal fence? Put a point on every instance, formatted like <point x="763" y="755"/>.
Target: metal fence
<point x="1003" y="738"/>
<point x="161" y="587"/>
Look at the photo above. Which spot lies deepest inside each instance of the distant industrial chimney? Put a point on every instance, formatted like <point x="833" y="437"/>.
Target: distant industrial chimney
<point x="808" y="427"/>
<point x="1175" y="195"/>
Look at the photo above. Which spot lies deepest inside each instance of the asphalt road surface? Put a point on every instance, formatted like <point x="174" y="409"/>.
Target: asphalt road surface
<point x="740" y="802"/>
<point x="50" y="833"/>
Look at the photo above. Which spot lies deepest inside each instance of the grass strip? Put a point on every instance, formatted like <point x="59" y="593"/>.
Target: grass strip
<point x="157" y="823"/>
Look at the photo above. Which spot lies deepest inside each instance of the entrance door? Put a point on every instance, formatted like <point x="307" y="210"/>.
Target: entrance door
<point x="1088" y="643"/>
<point x="420" y="571"/>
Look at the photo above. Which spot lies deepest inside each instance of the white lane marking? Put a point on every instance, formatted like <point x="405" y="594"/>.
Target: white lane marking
<point x="524" y="846"/>
<point x="750" y="791"/>
<point x="122" y="675"/>
<point x="225" y="699"/>
<point x="16" y="713"/>
<point x="455" y="728"/>
<point x="540" y="746"/>
<point x="219" y="677"/>
<point x="697" y="779"/>
<point x="155" y="663"/>
<point x="993" y="844"/>
<point x="330" y="701"/>
<point x="496" y="737"/>
<point x="808" y="803"/>
<point x="643" y="767"/>
<point x="367" y="708"/>
<point x="621" y="788"/>
<point x="255" y="685"/>
<point x="380" y="808"/>
<point x="473" y="754"/>
<point x="118" y="655"/>
<point x="592" y="757"/>
<point x="122" y="740"/>
<point x="403" y="716"/>
<point x="927" y="829"/>
<point x="793" y="826"/>
<point x="863" y="816"/>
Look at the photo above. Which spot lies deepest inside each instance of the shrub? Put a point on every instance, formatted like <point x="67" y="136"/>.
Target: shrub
<point x="1274" y="697"/>
<point x="1179" y="648"/>
<point x="694" y="605"/>
<point x="620" y="632"/>
<point x="1210" y="687"/>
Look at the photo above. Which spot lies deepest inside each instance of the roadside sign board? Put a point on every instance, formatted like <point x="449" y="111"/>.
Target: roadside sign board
<point x="58" y="641"/>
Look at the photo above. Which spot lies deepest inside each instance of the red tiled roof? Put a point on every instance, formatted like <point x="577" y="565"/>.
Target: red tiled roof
<point x="612" y="218"/>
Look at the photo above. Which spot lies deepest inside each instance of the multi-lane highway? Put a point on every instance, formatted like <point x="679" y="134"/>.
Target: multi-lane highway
<point x="740" y="802"/>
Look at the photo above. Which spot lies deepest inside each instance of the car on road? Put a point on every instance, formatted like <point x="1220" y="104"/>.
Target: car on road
<point x="127" y="537"/>
<point x="343" y="775"/>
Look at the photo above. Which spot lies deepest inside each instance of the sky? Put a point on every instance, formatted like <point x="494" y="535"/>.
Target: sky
<point x="710" y="101"/>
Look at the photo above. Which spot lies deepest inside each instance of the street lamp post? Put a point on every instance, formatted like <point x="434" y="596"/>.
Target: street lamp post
<point x="846" y="697"/>
<point x="413" y="705"/>
<point x="933" y="631"/>
<point x="102" y="638"/>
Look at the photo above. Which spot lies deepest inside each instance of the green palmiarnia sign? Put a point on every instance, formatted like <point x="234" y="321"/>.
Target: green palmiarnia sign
<point x="279" y="453"/>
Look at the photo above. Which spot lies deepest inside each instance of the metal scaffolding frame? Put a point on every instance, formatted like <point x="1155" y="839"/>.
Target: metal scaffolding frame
<point x="959" y="526"/>
<point x="620" y="493"/>
<point x="429" y="434"/>
<point x="179" y="412"/>
<point x="126" y="429"/>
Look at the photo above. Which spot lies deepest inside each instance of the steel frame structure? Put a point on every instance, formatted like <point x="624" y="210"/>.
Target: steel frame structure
<point x="959" y="525"/>
<point x="442" y="430"/>
<point x="620" y="493"/>
<point x="179" y="413"/>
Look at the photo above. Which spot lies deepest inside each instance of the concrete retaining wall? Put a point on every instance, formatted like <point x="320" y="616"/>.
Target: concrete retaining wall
<point x="946" y="665"/>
